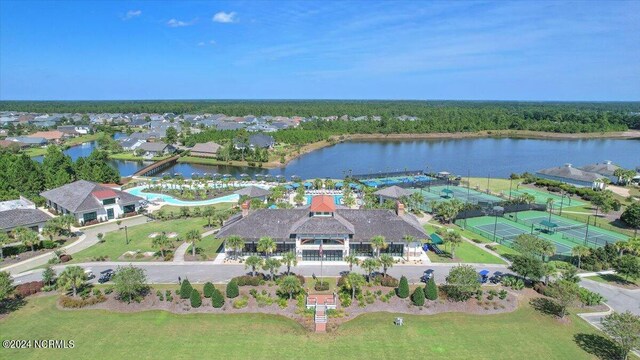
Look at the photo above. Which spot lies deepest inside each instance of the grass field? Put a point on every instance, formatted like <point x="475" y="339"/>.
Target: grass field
<point x="162" y="335"/>
<point x="115" y="243"/>
<point x="207" y="248"/>
<point x="465" y="252"/>
<point x="614" y="279"/>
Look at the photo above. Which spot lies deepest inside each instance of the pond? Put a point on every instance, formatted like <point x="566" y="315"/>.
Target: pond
<point x="497" y="157"/>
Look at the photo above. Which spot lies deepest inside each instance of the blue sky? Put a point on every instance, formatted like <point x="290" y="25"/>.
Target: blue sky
<point x="326" y="50"/>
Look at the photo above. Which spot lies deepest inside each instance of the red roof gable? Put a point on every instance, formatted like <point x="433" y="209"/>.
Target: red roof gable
<point x="104" y="194"/>
<point x="323" y="203"/>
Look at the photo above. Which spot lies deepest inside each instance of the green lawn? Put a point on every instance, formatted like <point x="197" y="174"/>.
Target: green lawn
<point x="156" y="334"/>
<point x="132" y="157"/>
<point x="465" y="252"/>
<point x="115" y="244"/>
<point x="207" y="248"/>
<point x="614" y="279"/>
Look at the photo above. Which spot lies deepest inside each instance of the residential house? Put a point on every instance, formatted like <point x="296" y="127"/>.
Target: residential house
<point x="261" y="141"/>
<point x="29" y="141"/>
<point x="21" y="213"/>
<point x="209" y="149"/>
<point x="52" y="136"/>
<point x="74" y="130"/>
<point x="130" y="144"/>
<point x="90" y="202"/>
<point x="152" y="149"/>
<point x="570" y="175"/>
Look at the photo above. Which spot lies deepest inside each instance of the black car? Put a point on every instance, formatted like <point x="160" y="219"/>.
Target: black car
<point x="106" y="275"/>
<point x="428" y="274"/>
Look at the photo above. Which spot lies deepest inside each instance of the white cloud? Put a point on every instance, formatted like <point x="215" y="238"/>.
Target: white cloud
<point x="132" y="14"/>
<point x="201" y="43"/>
<point x="212" y="42"/>
<point x="223" y="17"/>
<point x="180" y="23"/>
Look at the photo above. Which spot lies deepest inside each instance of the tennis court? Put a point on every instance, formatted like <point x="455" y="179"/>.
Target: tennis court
<point x="541" y="198"/>
<point x="574" y="231"/>
<point x="463" y="194"/>
<point x="506" y="231"/>
<point x="397" y="180"/>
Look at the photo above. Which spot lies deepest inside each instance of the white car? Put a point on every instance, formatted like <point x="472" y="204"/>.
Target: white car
<point x="89" y="274"/>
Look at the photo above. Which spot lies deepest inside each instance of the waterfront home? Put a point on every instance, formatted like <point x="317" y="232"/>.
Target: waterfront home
<point x="74" y="130"/>
<point x="21" y="212"/>
<point x="52" y="136"/>
<point x="340" y="231"/>
<point x="14" y="145"/>
<point x="392" y="193"/>
<point x="151" y="149"/>
<point x="90" y="202"/>
<point x="261" y="141"/>
<point x="209" y="149"/>
<point x="130" y="144"/>
<point x="29" y="141"/>
<point x="571" y="175"/>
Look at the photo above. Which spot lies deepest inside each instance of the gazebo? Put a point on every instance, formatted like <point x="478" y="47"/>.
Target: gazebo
<point x="549" y="225"/>
<point x="448" y="193"/>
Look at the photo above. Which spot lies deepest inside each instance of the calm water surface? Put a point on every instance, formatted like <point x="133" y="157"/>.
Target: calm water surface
<point x="480" y="157"/>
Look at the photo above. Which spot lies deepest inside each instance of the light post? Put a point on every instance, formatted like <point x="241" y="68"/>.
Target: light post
<point x="126" y="234"/>
<point x="586" y="233"/>
<point x="496" y="211"/>
<point x="561" y="202"/>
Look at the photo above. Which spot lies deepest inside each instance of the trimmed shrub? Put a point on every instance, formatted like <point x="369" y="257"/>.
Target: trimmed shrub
<point x="232" y="289"/>
<point x="403" y="288"/>
<point x="387" y="281"/>
<point x="208" y="290"/>
<point x="418" y="297"/>
<point x="29" y="288"/>
<point x="241" y="303"/>
<point x="321" y="286"/>
<point x="195" y="298"/>
<point x="108" y="290"/>
<point x="76" y="303"/>
<point x="185" y="289"/>
<point x="217" y="300"/>
<point x="248" y="280"/>
<point x="65" y="258"/>
<point x="589" y="298"/>
<point x="431" y="290"/>
<point x="502" y="294"/>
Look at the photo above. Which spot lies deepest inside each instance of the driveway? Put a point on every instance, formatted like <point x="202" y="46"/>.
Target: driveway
<point x="619" y="299"/>
<point x="88" y="238"/>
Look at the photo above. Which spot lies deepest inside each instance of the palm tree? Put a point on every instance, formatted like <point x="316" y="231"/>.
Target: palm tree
<point x="550" y="202"/>
<point x="289" y="259"/>
<point x="208" y="213"/>
<point x="354" y="281"/>
<point x="253" y="262"/>
<point x="161" y="242"/>
<point x="67" y="221"/>
<point x="73" y="277"/>
<point x="550" y="269"/>
<point x="378" y="243"/>
<point x="290" y="285"/>
<point x="193" y="236"/>
<point x="236" y="243"/>
<point x="27" y="237"/>
<point x="370" y="264"/>
<point x="454" y="239"/>
<point x="4" y="239"/>
<point x="49" y="231"/>
<point x="387" y="262"/>
<point x="271" y="265"/>
<point x="351" y="260"/>
<point x="579" y="251"/>
<point x="547" y="249"/>
<point x="266" y="245"/>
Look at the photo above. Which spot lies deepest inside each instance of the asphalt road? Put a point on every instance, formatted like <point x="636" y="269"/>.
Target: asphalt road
<point x="200" y="272"/>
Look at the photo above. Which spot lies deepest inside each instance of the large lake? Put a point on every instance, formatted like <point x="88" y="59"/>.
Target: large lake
<point x="480" y="157"/>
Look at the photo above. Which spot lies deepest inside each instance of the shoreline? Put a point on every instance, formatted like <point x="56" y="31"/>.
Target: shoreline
<point x="498" y="134"/>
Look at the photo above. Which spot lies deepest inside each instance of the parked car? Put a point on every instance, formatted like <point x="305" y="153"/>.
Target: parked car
<point x="89" y="274"/>
<point x="496" y="278"/>
<point x="106" y="275"/>
<point x="428" y="274"/>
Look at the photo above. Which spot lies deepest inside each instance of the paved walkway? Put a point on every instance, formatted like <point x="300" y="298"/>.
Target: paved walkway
<point x="179" y="253"/>
<point x="88" y="238"/>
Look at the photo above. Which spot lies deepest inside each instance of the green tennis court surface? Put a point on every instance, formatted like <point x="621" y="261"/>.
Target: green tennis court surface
<point x="506" y="231"/>
<point x="572" y="230"/>
<point x="541" y="198"/>
<point x="444" y="193"/>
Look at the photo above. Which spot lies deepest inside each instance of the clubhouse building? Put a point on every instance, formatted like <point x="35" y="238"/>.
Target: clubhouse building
<point x="90" y="202"/>
<point x="340" y="231"/>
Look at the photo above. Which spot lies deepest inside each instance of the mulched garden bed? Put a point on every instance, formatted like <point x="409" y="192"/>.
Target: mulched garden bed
<point x="10" y="260"/>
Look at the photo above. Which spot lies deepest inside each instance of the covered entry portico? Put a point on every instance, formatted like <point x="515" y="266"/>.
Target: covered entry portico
<point x="334" y="247"/>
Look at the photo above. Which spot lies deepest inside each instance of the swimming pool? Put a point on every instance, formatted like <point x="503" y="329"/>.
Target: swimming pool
<point x="137" y="191"/>
<point x="337" y="199"/>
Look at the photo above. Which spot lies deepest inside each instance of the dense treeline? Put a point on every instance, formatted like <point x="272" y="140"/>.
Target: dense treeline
<point x="20" y="175"/>
<point x="438" y="115"/>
